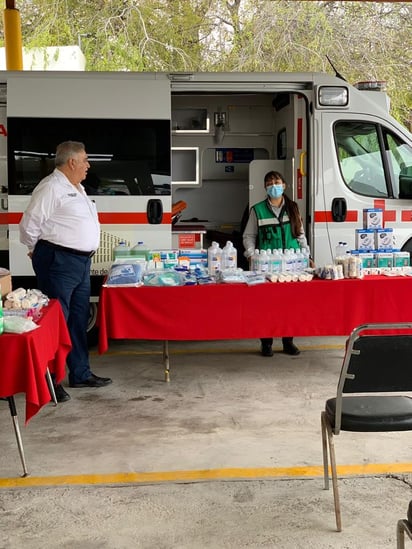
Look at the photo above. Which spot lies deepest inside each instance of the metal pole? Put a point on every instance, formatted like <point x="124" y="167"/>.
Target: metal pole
<point x="12" y="37"/>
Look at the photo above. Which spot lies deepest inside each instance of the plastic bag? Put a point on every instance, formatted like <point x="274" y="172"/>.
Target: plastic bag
<point x="18" y="324"/>
<point x="164" y="278"/>
<point x="125" y="274"/>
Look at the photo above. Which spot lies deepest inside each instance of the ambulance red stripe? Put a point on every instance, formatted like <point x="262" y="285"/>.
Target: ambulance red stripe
<point x="106" y="218"/>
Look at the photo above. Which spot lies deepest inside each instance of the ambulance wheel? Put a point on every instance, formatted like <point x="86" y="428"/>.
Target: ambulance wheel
<point x="92" y="329"/>
<point x="407" y="247"/>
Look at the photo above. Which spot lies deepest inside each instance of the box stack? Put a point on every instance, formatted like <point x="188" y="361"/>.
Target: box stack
<point x="375" y="244"/>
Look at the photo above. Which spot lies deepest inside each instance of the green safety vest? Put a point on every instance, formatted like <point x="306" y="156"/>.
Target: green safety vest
<point x="273" y="232"/>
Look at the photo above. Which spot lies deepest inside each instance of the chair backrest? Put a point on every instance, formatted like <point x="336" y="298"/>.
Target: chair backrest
<point x="378" y="359"/>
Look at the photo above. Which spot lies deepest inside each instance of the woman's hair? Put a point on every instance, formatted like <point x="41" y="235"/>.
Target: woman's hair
<point x="67" y="150"/>
<point x="291" y="207"/>
<point x="276" y="175"/>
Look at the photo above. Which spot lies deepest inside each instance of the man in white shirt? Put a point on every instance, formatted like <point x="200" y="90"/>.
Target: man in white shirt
<point x="61" y="230"/>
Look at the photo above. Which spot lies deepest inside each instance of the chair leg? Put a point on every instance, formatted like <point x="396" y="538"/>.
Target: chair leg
<point x="402" y="527"/>
<point x="324" y="452"/>
<point x="334" y="474"/>
<point x="51" y="386"/>
<point x="13" y="413"/>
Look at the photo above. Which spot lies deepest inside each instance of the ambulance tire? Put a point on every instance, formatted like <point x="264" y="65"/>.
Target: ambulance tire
<point x="407" y="247"/>
<point x="92" y="329"/>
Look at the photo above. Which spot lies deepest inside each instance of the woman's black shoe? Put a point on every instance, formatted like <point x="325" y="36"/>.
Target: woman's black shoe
<point x="290" y="349"/>
<point x="267" y="349"/>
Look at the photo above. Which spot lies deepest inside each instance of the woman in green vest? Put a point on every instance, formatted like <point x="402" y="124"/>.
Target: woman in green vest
<point x="273" y="224"/>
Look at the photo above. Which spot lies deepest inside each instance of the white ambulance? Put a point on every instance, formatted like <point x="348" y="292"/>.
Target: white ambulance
<point x="204" y="140"/>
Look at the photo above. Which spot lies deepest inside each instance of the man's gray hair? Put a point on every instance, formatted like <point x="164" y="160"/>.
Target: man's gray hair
<point x="67" y="150"/>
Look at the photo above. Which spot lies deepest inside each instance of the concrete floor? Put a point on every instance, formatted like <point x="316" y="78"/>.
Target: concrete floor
<point x="226" y="455"/>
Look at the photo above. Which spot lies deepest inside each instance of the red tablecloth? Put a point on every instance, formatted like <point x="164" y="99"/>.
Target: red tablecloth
<point x="25" y="358"/>
<point x="238" y="311"/>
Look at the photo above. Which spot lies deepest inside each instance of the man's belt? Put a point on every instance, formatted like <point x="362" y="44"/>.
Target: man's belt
<point x="65" y="249"/>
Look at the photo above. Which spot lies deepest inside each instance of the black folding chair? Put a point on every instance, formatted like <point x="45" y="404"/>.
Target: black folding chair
<point x="377" y="360"/>
<point x="404" y="526"/>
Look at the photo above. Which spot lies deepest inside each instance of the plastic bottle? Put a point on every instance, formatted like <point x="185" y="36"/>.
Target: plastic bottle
<point x="214" y="258"/>
<point x="306" y="258"/>
<point x="263" y="261"/>
<point x="269" y="256"/>
<point x="341" y="250"/>
<point x="254" y="261"/>
<point x="276" y="266"/>
<point x="140" y="251"/>
<point x="121" y="250"/>
<point x="229" y="256"/>
<point x="288" y="262"/>
<point x="299" y="261"/>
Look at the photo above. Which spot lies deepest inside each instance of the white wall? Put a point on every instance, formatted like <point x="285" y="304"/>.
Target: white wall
<point x="53" y="58"/>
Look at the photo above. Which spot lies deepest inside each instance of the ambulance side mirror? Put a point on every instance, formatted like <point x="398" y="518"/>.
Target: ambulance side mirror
<point x="339" y="210"/>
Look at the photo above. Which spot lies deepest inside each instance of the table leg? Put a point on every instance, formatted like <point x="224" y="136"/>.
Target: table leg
<point x="166" y="360"/>
<point x="51" y="386"/>
<point x="13" y="413"/>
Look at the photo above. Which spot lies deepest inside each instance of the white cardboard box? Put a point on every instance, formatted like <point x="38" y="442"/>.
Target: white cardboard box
<point x="365" y="239"/>
<point x="384" y="239"/>
<point x="372" y="218"/>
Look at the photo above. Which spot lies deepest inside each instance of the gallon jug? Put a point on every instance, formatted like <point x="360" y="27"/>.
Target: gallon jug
<point x="214" y="258"/>
<point x="140" y="251"/>
<point x="121" y="250"/>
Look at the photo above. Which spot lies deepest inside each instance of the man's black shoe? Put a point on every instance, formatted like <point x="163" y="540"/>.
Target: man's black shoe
<point x="61" y="394"/>
<point x="267" y="349"/>
<point x="290" y="349"/>
<point x="92" y="381"/>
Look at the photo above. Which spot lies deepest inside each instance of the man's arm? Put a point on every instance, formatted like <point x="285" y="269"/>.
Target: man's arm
<point x="37" y="213"/>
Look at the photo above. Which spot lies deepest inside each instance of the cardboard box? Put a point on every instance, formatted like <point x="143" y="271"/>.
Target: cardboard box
<point x="384" y="260"/>
<point x="365" y="239"/>
<point x="384" y="239"/>
<point x="401" y="259"/>
<point x="368" y="259"/>
<point x="373" y="218"/>
<point x="5" y="283"/>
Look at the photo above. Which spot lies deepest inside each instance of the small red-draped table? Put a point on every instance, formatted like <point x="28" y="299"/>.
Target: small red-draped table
<point x="239" y="311"/>
<point x="27" y="358"/>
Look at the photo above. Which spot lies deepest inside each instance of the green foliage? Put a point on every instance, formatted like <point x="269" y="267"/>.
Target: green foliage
<point x="364" y="40"/>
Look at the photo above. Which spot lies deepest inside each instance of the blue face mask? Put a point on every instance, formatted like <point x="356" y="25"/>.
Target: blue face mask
<point x="275" y="191"/>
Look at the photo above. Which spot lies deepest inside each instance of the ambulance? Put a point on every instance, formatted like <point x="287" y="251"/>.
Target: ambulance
<point x="204" y="141"/>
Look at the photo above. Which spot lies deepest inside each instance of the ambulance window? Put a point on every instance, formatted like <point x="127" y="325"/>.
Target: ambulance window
<point x="399" y="156"/>
<point x="127" y="157"/>
<point x="360" y="158"/>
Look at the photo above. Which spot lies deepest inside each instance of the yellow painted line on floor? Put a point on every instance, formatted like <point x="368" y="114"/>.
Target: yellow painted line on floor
<point x="327" y="347"/>
<point x="287" y="473"/>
